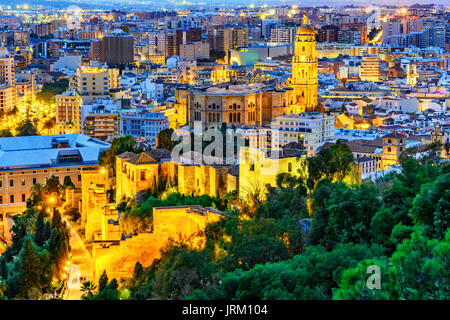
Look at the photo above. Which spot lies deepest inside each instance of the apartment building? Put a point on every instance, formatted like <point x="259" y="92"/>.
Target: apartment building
<point x="369" y="69"/>
<point x="68" y="112"/>
<point x="145" y="125"/>
<point x="311" y="129"/>
<point x="93" y="83"/>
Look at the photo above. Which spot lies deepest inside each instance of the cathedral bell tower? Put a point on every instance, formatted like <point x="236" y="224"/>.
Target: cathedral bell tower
<point x="304" y="69"/>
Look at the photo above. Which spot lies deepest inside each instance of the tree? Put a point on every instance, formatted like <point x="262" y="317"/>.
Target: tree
<point x="68" y="182"/>
<point x="102" y="281"/>
<point x="30" y="270"/>
<point x="118" y="146"/>
<point x="165" y="139"/>
<point x="431" y="207"/>
<point x="182" y="270"/>
<point x="88" y="288"/>
<point x="26" y="128"/>
<point x="417" y="270"/>
<point x="5" y="133"/>
<point x="50" y="124"/>
<point x="334" y="163"/>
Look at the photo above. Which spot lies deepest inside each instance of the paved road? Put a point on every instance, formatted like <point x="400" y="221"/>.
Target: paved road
<point x="80" y="258"/>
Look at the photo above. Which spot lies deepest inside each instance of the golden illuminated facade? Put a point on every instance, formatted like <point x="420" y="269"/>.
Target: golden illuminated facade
<point x="304" y="69"/>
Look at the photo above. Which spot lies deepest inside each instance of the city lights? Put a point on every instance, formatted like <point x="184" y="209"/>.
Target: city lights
<point x="192" y="151"/>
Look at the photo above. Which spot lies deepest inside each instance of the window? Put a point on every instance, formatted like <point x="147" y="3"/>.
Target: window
<point x="389" y="149"/>
<point x="34" y="181"/>
<point x="23" y="182"/>
<point x="11" y="183"/>
<point x="389" y="141"/>
<point x="79" y="178"/>
<point x="1" y="183"/>
<point x="142" y="175"/>
<point x="290" y="167"/>
<point x="1" y="199"/>
<point x="11" y="198"/>
<point x="23" y="197"/>
<point x="252" y="167"/>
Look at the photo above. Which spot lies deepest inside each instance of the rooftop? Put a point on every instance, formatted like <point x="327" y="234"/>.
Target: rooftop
<point x="49" y="151"/>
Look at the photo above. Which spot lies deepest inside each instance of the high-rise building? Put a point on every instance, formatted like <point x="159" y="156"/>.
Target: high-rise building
<point x="220" y="39"/>
<point x="96" y="50"/>
<point x="6" y="67"/>
<point x="194" y="50"/>
<point x="239" y="38"/>
<point x="304" y="79"/>
<point x="7" y="85"/>
<point x="185" y="36"/>
<point x="328" y="33"/>
<point x="68" y="112"/>
<point x="283" y="34"/>
<point x="118" y="47"/>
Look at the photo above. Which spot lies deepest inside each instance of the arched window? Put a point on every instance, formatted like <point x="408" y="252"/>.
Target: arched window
<point x="389" y="141"/>
<point x="389" y="149"/>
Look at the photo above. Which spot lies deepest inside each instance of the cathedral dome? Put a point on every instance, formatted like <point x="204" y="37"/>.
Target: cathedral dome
<point x="305" y="29"/>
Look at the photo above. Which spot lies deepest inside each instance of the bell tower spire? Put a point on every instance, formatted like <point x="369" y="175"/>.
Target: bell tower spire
<point x="304" y="69"/>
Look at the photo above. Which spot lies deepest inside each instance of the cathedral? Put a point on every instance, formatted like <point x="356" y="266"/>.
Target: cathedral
<point x="304" y="69"/>
<point x="255" y="104"/>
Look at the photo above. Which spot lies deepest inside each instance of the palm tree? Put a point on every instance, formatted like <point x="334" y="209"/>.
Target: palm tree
<point x="87" y="288"/>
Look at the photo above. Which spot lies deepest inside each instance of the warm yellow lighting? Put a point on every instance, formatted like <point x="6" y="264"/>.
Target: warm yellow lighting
<point x="102" y="170"/>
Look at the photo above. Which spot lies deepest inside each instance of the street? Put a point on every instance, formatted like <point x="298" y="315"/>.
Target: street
<point x="80" y="258"/>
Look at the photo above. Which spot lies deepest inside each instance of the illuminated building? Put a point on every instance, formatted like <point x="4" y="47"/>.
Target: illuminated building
<point x="93" y="83"/>
<point x="25" y="161"/>
<point x="304" y="79"/>
<point x="7" y="81"/>
<point x="393" y="145"/>
<point x="146" y="125"/>
<point x="369" y="69"/>
<point x="310" y="129"/>
<point x="256" y="169"/>
<point x="68" y="112"/>
<point x="236" y="104"/>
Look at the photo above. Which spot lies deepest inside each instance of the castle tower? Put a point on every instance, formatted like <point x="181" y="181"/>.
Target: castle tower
<point x="304" y="69"/>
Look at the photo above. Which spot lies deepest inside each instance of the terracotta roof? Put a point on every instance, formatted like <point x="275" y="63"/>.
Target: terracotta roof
<point x="126" y="155"/>
<point x="159" y="154"/>
<point x="142" y="158"/>
<point x="394" y="135"/>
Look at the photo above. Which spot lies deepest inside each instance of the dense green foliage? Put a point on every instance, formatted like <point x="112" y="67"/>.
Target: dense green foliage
<point x="26" y="128"/>
<point x="138" y="217"/>
<point x="165" y="139"/>
<point x="51" y="89"/>
<point x="118" y="146"/>
<point x="31" y="267"/>
<point x="258" y="251"/>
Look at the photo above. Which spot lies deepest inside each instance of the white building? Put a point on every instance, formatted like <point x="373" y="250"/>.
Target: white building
<point x="312" y="129"/>
<point x="145" y="125"/>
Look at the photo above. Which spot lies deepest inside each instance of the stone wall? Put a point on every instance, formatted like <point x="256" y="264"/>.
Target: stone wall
<point x="186" y="223"/>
